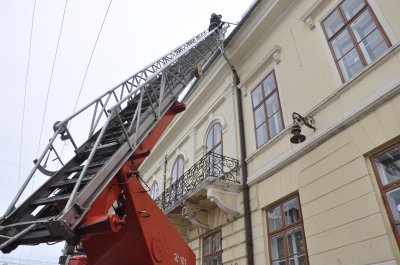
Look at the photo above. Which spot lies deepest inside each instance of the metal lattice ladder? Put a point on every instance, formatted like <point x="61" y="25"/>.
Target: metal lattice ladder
<point x="129" y="111"/>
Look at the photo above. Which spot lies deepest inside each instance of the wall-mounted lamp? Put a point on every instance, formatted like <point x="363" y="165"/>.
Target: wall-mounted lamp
<point x="298" y="121"/>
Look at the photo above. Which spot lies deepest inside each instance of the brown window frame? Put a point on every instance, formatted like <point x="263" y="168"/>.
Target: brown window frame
<point x="346" y="25"/>
<point x="286" y="228"/>
<point x="212" y="254"/>
<point x="385" y="188"/>
<point x="262" y="104"/>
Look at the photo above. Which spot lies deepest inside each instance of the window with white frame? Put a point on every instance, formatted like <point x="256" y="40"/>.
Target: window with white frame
<point x="214" y="139"/>
<point x="355" y="36"/>
<point x="177" y="168"/>
<point x="387" y="170"/>
<point x="177" y="172"/>
<point x="154" y="190"/>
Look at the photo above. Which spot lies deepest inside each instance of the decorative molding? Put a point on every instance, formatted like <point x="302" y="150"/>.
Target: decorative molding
<point x="224" y="197"/>
<point x="309" y="16"/>
<point x="272" y="56"/>
<point x="359" y="111"/>
<point x="228" y="92"/>
<point x="178" y="152"/>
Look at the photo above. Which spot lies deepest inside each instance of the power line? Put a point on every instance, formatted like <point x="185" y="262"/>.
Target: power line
<point x="91" y="55"/>
<point x="24" y="104"/>
<point x="51" y="76"/>
<point x="87" y="67"/>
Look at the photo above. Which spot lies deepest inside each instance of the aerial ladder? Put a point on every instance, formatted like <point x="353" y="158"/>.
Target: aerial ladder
<point x="96" y="201"/>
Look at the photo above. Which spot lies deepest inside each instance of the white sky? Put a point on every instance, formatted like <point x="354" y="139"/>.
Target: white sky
<point x="135" y="34"/>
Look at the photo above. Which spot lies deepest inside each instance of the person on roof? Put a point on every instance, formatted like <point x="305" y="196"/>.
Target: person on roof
<point x="215" y="22"/>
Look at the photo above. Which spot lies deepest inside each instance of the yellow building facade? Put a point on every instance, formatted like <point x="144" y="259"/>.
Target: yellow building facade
<point x="331" y="198"/>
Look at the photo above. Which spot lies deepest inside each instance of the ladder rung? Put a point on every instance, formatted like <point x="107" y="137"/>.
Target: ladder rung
<point x="60" y="198"/>
<point x="106" y="148"/>
<point x="92" y="165"/>
<point x="70" y="182"/>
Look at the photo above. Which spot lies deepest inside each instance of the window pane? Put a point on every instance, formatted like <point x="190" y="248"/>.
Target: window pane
<point x="262" y="135"/>
<point x="350" y="64"/>
<point x="291" y="211"/>
<point x="207" y="261"/>
<point x="373" y="46"/>
<point x="274" y="219"/>
<point x="363" y="25"/>
<point x="217" y="260"/>
<point x="388" y="165"/>
<point x="295" y="242"/>
<point x="207" y="245"/>
<point x="342" y="44"/>
<point x="269" y="84"/>
<point x="272" y="104"/>
<point x="154" y="190"/>
<point x="210" y="140"/>
<point x="351" y="7"/>
<point x="180" y="167"/>
<point x="217" y="133"/>
<point x="277" y="249"/>
<point x="275" y="124"/>
<point x="173" y="175"/>
<point x="257" y="96"/>
<point x="259" y="116"/>
<point x="333" y="23"/>
<point x="393" y="198"/>
<point x="217" y="242"/>
<point x="298" y="260"/>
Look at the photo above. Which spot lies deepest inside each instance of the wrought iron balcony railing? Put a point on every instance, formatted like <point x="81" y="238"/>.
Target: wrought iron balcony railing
<point x="210" y="167"/>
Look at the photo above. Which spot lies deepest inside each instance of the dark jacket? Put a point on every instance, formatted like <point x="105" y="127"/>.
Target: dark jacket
<point x="215" y="21"/>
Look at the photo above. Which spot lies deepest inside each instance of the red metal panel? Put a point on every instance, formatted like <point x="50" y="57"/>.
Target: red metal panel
<point x="145" y="236"/>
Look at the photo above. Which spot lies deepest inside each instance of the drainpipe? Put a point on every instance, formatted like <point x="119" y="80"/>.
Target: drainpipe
<point x="243" y="163"/>
<point x="246" y="189"/>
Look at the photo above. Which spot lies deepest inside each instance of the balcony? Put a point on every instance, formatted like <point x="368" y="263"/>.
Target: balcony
<point x="212" y="182"/>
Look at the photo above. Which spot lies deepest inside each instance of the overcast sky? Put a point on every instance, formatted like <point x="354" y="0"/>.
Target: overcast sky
<point x="135" y="33"/>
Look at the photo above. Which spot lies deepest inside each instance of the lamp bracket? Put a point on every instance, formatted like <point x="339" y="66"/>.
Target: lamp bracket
<point x="300" y="120"/>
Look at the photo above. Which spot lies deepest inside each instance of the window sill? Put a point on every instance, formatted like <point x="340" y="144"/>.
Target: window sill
<point x="268" y="144"/>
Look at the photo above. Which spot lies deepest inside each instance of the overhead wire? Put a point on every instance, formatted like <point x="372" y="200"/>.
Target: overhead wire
<point x="87" y="68"/>
<point x="24" y="101"/>
<point x="91" y="56"/>
<point x="51" y="76"/>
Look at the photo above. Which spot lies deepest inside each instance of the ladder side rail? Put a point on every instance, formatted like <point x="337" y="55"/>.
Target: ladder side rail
<point x="28" y="179"/>
<point x="92" y="125"/>
<point x="157" y="65"/>
<point x="169" y="58"/>
<point x="89" y="160"/>
<point x="158" y="72"/>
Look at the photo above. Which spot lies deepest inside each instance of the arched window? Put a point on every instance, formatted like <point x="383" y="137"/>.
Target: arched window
<point x="177" y="168"/>
<point x="214" y="139"/>
<point x="214" y="150"/>
<point x="154" y="190"/>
